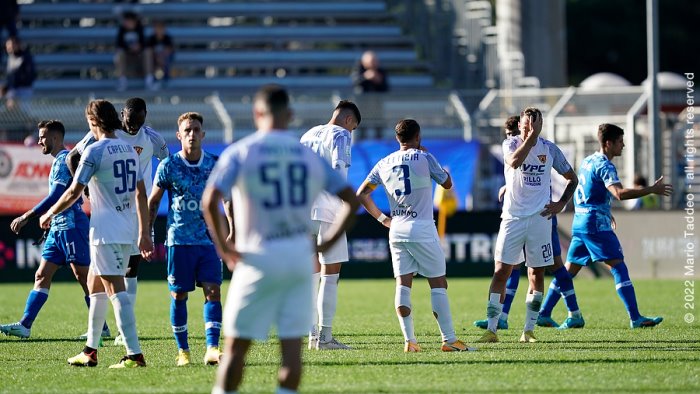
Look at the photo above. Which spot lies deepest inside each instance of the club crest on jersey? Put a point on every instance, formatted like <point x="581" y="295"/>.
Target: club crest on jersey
<point x="138" y="150"/>
<point x="543" y="158"/>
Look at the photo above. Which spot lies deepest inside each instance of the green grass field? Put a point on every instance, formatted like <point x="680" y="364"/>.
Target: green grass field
<point x="604" y="356"/>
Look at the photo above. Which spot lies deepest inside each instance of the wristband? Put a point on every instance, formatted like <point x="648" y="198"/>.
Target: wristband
<point x="381" y="218"/>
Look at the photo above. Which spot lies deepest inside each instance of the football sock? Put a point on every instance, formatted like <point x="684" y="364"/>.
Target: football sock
<point x="315" y="278"/>
<point x="327" y="301"/>
<point x="566" y="288"/>
<point x="533" y="302"/>
<point x="131" y="286"/>
<point x="219" y="390"/>
<point x="87" y="302"/>
<point x="178" y="320"/>
<point x="403" y="298"/>
<point x="441" y="311"/>
<point x="551" y="300"/>
<point x="126" y="321"/>
<point x="35" y="301"/>
<point x="625" y="289"/>
<point x="511" y="288"/>
<point x="493" y="311"/>
<point x="282" y="390"/>
<point x="96" y="318"/>
<point x="212" y="322"/>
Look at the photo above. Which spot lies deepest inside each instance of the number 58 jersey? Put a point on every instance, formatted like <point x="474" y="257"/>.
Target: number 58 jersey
<point x="110" y="167"/>
<point x="272" y="180"/>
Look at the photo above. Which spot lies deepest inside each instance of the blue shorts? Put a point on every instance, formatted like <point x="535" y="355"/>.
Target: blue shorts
<point x="192" y="265"/>
<point x="556" y="246"/>
<point x="586" y="248"/>
<point x="67" y="246"/>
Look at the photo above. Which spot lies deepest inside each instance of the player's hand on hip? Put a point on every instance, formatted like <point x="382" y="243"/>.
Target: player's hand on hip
<point x="663" y="189"/>
<point x="552" y="209"/>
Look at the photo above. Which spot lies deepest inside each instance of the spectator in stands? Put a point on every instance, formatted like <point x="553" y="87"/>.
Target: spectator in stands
<point x="650" y="201"/>
<point x="132" y="51"/>
<point x="19" y="74"/>
<point x="161" y="43"/>
<point x="369" y="79"/>
<point x="9" y="13"/>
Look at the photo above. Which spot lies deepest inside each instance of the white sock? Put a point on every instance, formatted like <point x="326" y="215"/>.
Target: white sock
<point x="282" y="390"/>
<point x="327" y="302"/>
<point x="131" y="286"/>
<point x="441" y="311"/>
<point x="219" y="390"/>
<point x="403" y="298"/>
<point x="313" y="333"/>
<point x="96" y="319"/>
<point x="493" y="311"/>
<point x="126" y="321"/>
<point x="533" y="302"/>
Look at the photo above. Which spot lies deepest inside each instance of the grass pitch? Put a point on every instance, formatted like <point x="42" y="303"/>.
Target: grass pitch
<point x="605" y="356"/>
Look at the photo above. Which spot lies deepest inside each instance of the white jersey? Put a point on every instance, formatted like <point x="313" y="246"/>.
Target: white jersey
<point x="272" y="180"/>
<point x="147" y="143"/>
<point x="110" y="167"/>
<point x="528" y="186"/>
<point x="333" y="144"/>
<point x="407" y="178"/>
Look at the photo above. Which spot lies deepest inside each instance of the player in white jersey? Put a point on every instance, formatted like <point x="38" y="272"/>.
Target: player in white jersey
<point x="272" y="180"/>
<point x="148" y="144"/>
<point x="527" y="209"/>
<point x="331" y="141"/>
<point x="407" y="176"/>
<point x="119" y="220"/>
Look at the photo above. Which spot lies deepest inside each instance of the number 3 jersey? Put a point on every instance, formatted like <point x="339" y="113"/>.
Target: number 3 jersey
<point x="272" y="180"/>
<point x="407" y="178"/>
<point x="528" y="187"/>
<point x="110" y="168"/>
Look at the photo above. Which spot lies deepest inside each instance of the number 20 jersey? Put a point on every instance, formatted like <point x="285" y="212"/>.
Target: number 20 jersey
<point x="110" y="167"/>
<point x="272" y="180"/>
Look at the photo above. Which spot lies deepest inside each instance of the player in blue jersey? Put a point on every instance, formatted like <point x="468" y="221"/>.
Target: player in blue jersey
<point x="593" y="238"/>
<point x="192" y="258"/>
<point x="272" y="180"/>
<point x="118" y="221"/>
<point x="67" y="239"/>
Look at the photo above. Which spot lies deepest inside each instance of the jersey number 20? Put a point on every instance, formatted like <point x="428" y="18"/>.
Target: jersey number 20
<point x="288" y="184"/>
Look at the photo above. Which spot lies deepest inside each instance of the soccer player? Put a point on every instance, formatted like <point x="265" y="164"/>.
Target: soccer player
<point x="332" y="142"/>
<point x="593" y="238"/>
<point x="67" y="239"/>
<point x="147" y="143"/>
<point x="407" y="176"/>
<point x="273" y="181"/>
<point x="525" y="218"/>
<point x="119" y="219"/>
<point x="192" y="259"/>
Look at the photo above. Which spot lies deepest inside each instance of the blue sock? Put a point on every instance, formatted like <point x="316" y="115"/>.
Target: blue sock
<point x="511" y="288"/>
<point x="551" y="299"/>
<point x="566" y="288"/>
<point x="178" y="319"/>
<point x="212" y="322"/>
<point x="87" y="302"/>
<point x="625" y="289"/>
<point x="35" y="301"/>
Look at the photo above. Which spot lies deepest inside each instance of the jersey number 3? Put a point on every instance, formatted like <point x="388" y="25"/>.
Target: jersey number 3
<point x="288" y="184"/>
<point x="403" y="172"/>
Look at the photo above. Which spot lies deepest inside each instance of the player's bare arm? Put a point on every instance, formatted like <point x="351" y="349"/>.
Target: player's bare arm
<point x="621" y="193"/>
<point x="554" y="208"/>
<point x="448" y="182"/>
<point x="153" y="204"/>
<point x="228" y="210"/>
<point x="531" y="130"/>
<point x="217" y="227"/>
<point x="68" y="198"/>
<point x="364" y="195"/>
<point x="346" y="219"/>
<point x="72" y="161"/>
<point x="145" y="241"/>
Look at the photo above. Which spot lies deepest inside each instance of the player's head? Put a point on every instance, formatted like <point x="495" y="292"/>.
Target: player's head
<point x="346" y="115"/>
<point x="511" y="126"/>
<point x="51" y="134"/>
<point x="189" y="130"/>
<point x="408" y="132"/>
<point x="134" y="115"/>
<point x="611" y="139"/>
<point x="102" y="116"/>
<point x="640" y="182"/>
<point x="271" y="108"/>
<point x="528" y="117"/>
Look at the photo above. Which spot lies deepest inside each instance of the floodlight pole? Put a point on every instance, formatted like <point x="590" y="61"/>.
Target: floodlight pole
<point x="653" y="107"/>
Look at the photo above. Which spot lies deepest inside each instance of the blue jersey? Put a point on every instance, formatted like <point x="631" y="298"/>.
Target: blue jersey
<point x="592" y="198"/>
<point x="185" y="184"/>
<point x="74" y="215"/>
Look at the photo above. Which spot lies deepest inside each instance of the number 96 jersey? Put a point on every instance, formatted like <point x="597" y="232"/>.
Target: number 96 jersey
<point x="110" y="167"/>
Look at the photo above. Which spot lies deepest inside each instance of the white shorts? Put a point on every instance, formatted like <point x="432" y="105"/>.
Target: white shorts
<point x="110" y="259"/>
<point x="338" y="253"/>
<point x="268" y="289"/>
<point x="425" y="258"/>
<point x="534" y="233"/>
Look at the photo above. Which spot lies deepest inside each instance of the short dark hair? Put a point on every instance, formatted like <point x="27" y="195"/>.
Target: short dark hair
<point x="135" y="104"/>
<point x="512" y="124"/>
<point x="349" y="106"/>
<point x="406" y="130"/>
<point x="640" y="181"/>
<point x="52" y="125"/>
<point x="609" y="132"/>
<point x="274" y="97"/>
<point x="104" y="114"/>
<point x="190" y="116"/>
<point x="531" y="111"/>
